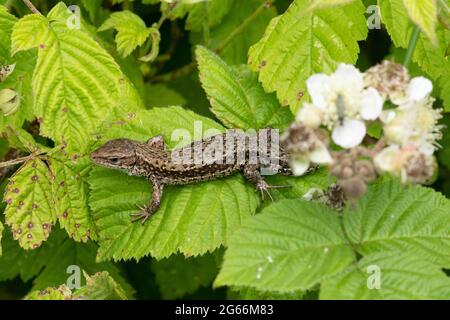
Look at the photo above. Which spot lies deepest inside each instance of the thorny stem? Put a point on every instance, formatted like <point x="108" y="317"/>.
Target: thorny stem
<point x="191" y="66"/>
<point x="412" y="46"/>
<point x="31" y="7"/>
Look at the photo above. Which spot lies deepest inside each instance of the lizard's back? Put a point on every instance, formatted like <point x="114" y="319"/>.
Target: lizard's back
<point x="214" y="157"/>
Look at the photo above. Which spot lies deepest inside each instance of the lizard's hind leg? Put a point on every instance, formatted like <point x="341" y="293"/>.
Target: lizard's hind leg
<point x="253" y="175"/>
<point x="148" y="210"/>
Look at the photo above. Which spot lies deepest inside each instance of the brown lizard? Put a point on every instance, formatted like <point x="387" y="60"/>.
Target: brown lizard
<point x="211" y="158"/>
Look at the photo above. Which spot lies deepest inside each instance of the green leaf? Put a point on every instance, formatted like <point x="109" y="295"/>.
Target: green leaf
<point x="210" y="12"/>
<point x="75" y="82"/>
<point x="30" y="207"/>
<point x="252" y="294"/>
<point x="1" y="235"/>
<point x="424" y="14"/>
<point x="203" y="14"/>
<point x="192" y="219"/>
<point x="20" y="79"/>
<point x="402" y="277"/>
<point x="100" y="286"/>
<point x="70" y="190"/>
<point x="131" y="31"/>
<point x="159" y="95"/>
<point x="292" y="245"/>
<point x="61" y="252"/>
<point x="60" y="293"/>
<point x="178" y="276"/>
<point x="236" y="96"/>
<point x="392" y="217"/>
<point x="17" y="262"/>
<point x="303" y="41"/>
<point x="246" y="21"/>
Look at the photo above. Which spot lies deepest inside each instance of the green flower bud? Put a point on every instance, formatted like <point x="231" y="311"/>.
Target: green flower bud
<point x="9" y="101"/>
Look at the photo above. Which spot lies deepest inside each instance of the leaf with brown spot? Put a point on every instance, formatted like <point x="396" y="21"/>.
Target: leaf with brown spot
<point x="29" y="211"/>
<point x="70" y="191"/>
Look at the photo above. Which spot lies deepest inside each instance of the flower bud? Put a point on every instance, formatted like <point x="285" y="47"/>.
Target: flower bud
<point x="389" y="78"/>
<point x="9" y="101"/>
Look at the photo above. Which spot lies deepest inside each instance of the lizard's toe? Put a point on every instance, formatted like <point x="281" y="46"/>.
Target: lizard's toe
<point x="143" y="215"/>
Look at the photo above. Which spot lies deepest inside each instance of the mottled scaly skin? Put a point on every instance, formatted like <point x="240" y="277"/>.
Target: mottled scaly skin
<point x="235" y="152"/>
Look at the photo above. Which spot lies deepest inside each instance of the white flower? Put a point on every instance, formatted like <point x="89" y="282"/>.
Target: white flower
<point x="417" y="123"/>
<point x="418" y="89"/>
<point x="341" y="103"/>
<point x="310" y="115"/>
<point x="349" y="134"/>
<point x="300" y="163"/>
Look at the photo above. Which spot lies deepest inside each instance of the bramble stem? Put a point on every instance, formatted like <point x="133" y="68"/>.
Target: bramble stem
<point x="15" y="161"/>
<point x="31" y="7"/>
<point x="412" y="46"/>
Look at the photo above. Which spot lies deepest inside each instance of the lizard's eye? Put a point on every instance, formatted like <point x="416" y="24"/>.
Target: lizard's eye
<point x="114" y="160"/>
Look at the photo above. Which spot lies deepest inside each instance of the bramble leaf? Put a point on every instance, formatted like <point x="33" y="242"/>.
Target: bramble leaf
<point x="424" y="14"/>
<point x="159" y="95"/>
<point x="75" y="82"/>
<point x="400" y="277"/>
<point x="30" y="207"/>
<point x="192" y="219"/>
<point x="60" y="293"/>
<point x="305" y="40"/>
<point x="392" y="217"/>
<point x="236" y="96"/>
<point x="20" y="77"/>
<point x="70" y="190"/>
<point x="292" y="245"/>
<point x="131" y="31"/>
<point x="201" y="14"/>
<point x="100" y="286"/>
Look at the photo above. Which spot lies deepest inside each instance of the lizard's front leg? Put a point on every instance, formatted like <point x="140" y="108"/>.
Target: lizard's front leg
<point x="148" y="210"/>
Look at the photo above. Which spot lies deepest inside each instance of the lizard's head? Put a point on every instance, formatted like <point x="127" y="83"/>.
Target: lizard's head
<point x="116" y="154"/>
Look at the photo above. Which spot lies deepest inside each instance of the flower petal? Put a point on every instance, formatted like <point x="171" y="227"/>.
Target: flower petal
<point x="387" y="116"/>
<point x="319" y="88"/>
<point x="419" y="88"/>
<point x="320" y="155"/>
<point x="310" y="115"/>
<point x="350" y="134"/>
<point x="348" y="76"/>
<point x="371" y="104"/>
<point x="387" y="159"/>
<point x="299" y="165"/>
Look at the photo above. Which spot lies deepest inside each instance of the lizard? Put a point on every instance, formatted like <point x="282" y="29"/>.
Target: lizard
<point x="211" y="158"/>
